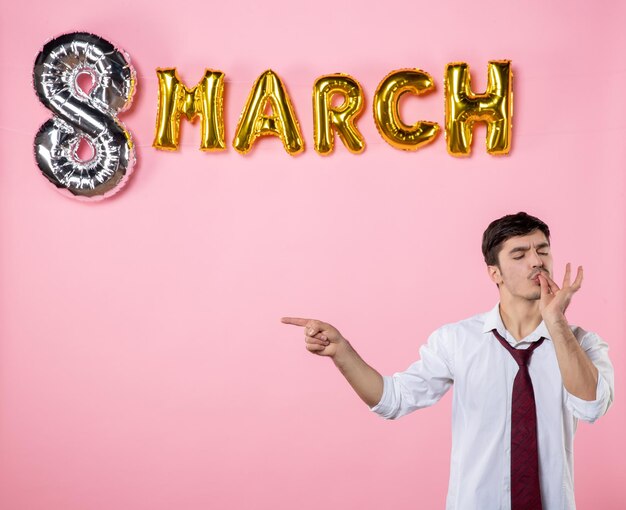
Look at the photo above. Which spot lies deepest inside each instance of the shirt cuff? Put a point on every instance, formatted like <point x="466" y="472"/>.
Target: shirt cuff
<point x="385" y="407"/>
<point x="590" y="410"/>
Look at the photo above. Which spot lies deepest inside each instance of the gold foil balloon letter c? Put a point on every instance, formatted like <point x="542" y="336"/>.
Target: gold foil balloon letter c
<point x="269" y="91"/>
<point x="387" y="116"/>
<point x="342" y="117"/>
<point x="463" y="108"/>
<point x="205" y="100"/>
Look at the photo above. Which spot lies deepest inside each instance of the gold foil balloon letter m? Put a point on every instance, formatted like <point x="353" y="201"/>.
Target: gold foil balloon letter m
<point x="463" y="108"/>
<point x="205" y="100"/>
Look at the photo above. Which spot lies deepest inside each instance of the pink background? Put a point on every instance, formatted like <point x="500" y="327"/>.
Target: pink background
<point x="142" y="361"/>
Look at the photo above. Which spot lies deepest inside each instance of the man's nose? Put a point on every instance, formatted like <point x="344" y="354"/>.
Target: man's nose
<point x="536" y="260"/>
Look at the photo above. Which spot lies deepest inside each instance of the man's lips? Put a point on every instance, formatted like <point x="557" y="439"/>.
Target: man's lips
<point x="535" y="275"/>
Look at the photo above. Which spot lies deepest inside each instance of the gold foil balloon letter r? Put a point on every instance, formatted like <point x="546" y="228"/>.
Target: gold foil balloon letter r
<point x="327" y="117"/>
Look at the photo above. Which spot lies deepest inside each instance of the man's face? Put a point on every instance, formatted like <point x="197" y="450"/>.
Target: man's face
<point x="520" y="260"/>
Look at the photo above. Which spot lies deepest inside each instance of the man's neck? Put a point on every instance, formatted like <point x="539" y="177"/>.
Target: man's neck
<point x="520" y="316"/>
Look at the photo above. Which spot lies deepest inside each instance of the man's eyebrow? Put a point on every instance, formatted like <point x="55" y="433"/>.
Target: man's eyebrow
<point x="519" y="248"/>
<point x="527" y="247"/>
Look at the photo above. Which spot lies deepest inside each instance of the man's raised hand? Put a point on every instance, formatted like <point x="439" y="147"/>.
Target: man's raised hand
<point x="554" y="300"/>
<point x="320" y="338"/>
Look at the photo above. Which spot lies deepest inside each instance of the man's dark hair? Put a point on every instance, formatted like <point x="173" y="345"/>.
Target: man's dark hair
<point x="508" y="226"/>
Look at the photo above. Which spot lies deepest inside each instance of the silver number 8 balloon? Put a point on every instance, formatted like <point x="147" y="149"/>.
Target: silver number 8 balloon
<point x="81" y="116"/>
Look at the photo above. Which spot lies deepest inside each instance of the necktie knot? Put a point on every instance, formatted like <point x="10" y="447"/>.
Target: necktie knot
<point x="521" y="356"/>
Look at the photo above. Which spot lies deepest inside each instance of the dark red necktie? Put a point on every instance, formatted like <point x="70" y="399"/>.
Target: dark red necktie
<point x="525" y="492"/>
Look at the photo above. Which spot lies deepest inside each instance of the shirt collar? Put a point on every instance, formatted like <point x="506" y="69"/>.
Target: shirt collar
<point x="493" y="320"/>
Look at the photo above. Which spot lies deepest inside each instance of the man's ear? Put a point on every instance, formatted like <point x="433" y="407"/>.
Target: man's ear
<point x="495" y="274"/>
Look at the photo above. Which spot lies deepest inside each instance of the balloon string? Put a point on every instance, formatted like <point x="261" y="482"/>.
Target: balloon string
<point x="369" y="143"/>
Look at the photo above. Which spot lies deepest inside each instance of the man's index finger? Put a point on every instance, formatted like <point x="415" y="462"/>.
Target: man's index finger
<point x="296" y="321"/>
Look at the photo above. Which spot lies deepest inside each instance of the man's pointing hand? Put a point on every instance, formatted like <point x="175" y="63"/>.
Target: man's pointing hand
<point x="320" y="338"/>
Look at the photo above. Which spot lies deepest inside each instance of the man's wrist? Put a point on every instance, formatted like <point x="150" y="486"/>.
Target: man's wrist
<point x="561" y="332"/>
<point x="556" y="320"/>
<point x="343" y="353"/>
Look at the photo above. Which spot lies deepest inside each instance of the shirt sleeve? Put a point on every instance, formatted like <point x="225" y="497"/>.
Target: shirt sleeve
<point x="423" y="383"/>
<point x="598" y="352"/>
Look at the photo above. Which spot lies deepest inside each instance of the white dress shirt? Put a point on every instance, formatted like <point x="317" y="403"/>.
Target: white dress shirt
<point x="468" y="354"/>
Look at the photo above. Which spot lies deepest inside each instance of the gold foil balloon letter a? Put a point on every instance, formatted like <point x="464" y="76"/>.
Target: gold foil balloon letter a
<point x="387" y="116"/>
<point x="463" y="108"/>
<point x="255" y="121"/>
<point x="205" y="100"/>
<point x="327" y="117"/>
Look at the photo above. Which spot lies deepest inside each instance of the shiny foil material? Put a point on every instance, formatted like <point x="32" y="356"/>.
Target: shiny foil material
<point x="464" y="107"/>
<point x="387" y="112"/>
<point x="268" y="89"/>
<point x="328" y="118"/>
<point x="204" y="101"/>
<point x="78" y="115"/>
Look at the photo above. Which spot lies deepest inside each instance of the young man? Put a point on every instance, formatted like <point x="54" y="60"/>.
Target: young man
<point x="523" y="377"/>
